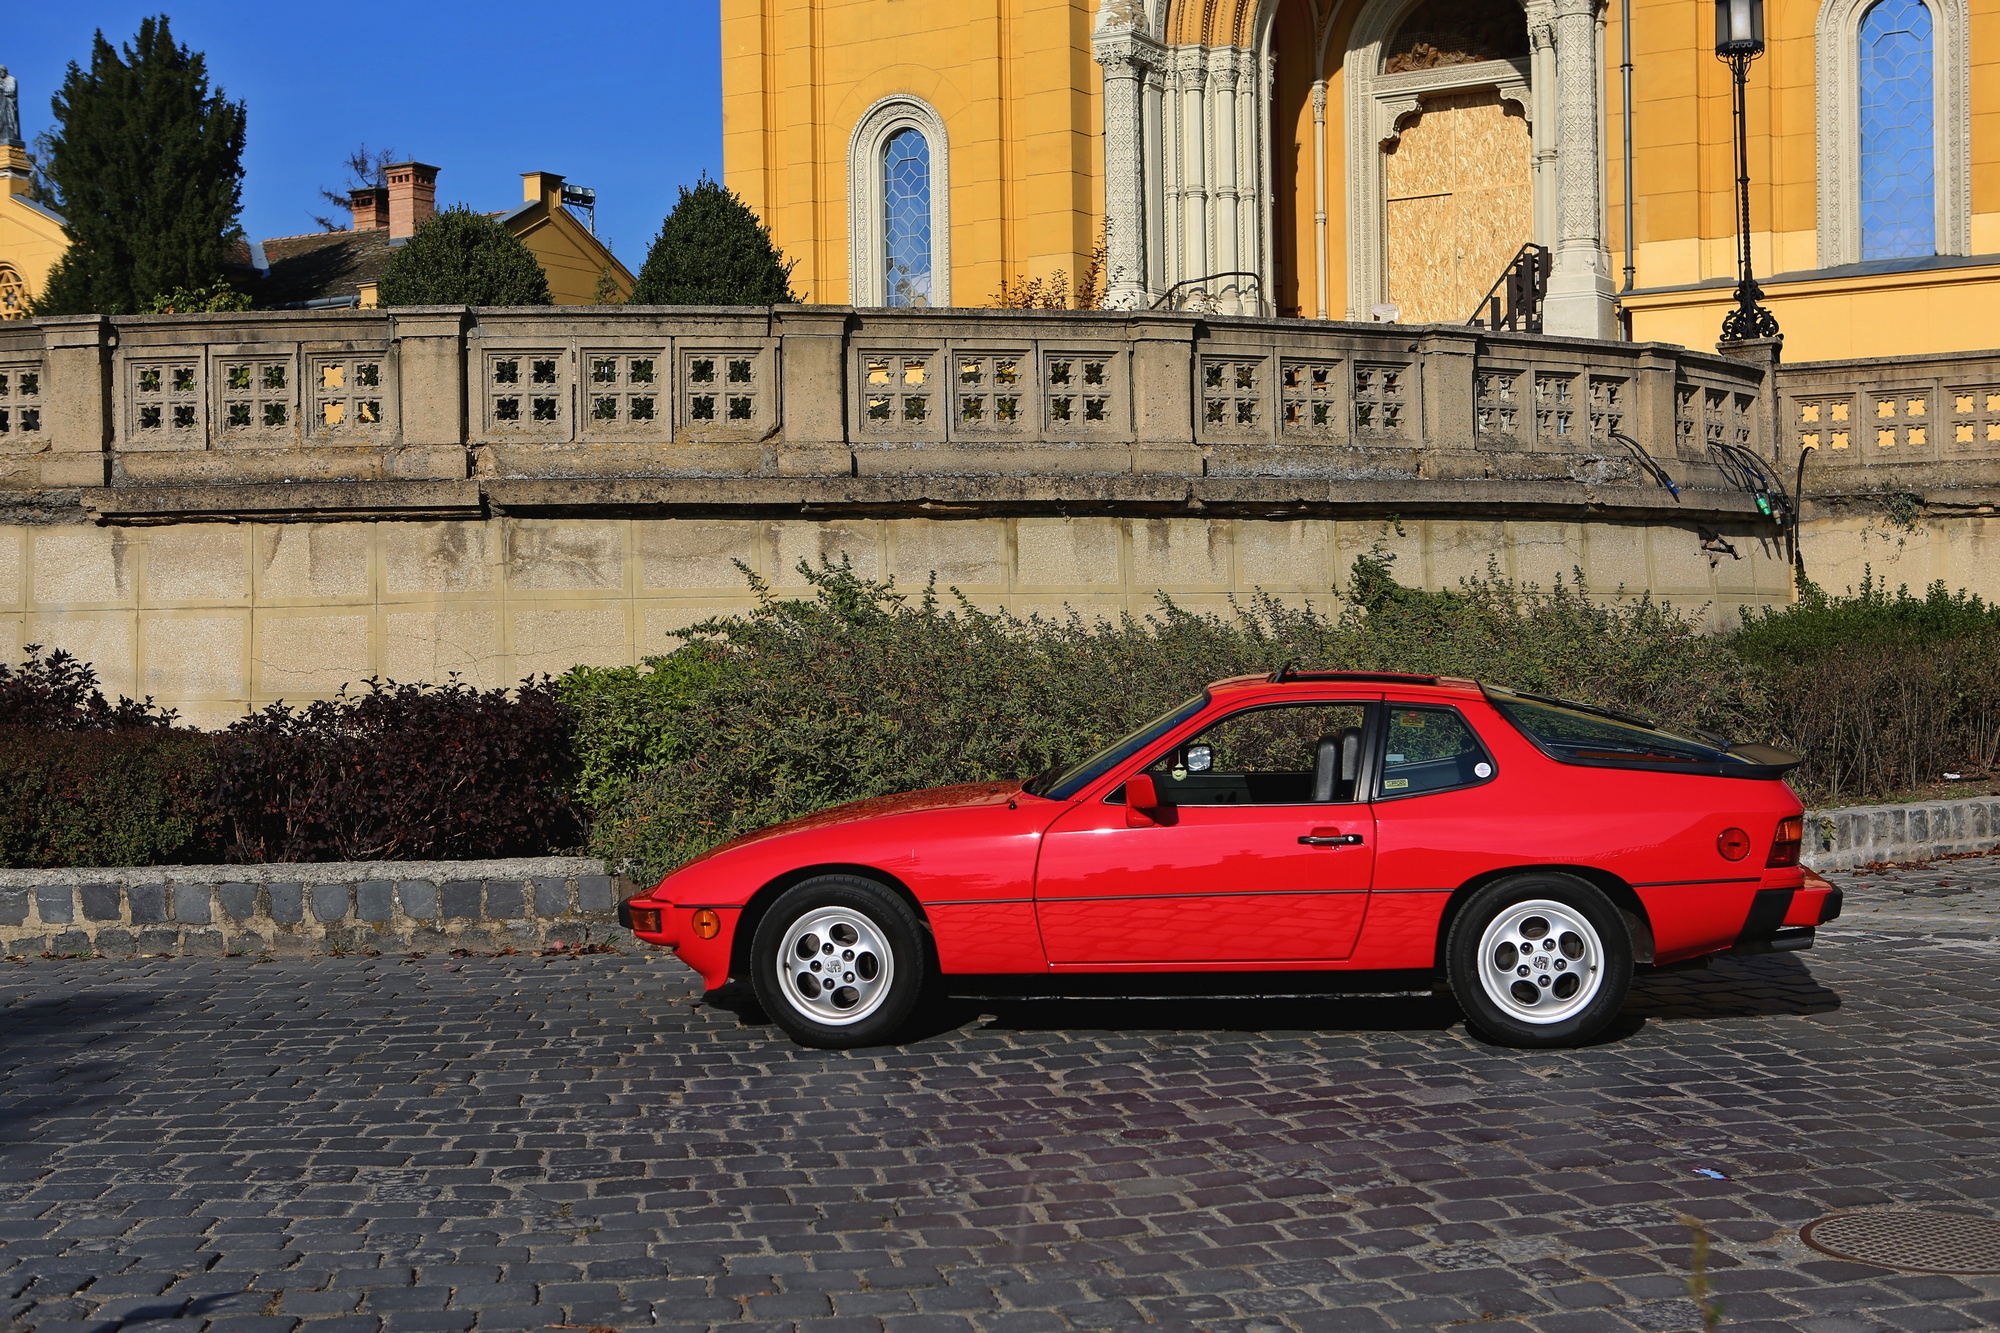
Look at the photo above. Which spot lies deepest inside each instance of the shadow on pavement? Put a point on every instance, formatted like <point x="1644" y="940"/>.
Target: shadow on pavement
<point x="53" y="1054"/>
<point x="1416" y="1013"/>
<point x="1778" y="983"/>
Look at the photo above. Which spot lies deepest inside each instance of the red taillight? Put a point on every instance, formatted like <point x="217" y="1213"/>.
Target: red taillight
<point x="646" y="920"/>
<point x="1733" y="843"/>
<point x="1785" y="846"/>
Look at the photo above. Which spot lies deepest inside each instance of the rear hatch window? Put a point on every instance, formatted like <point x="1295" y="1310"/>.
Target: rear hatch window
<point x="1577" y="733"/>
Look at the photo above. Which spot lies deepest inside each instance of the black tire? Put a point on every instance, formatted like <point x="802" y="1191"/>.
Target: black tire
<point x="839" y="962"/>
<point x="1539" y="960"/>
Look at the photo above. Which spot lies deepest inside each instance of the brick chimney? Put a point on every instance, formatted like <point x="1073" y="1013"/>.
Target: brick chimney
<point x="370" y="205"/>
<point x="412" y="188"/>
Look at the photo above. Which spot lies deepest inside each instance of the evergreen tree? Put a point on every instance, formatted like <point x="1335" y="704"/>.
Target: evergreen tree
<point x="146" y="165"/>
<point x="461" y="257"/>
<point x="712" y="250"/>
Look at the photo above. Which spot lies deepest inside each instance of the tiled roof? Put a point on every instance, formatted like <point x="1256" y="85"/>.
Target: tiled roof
<point x="323" y="264"/>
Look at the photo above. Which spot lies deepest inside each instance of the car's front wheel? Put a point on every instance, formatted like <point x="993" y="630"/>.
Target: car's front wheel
<point x="839" y="961"/>
<point x="1539" y="960"/>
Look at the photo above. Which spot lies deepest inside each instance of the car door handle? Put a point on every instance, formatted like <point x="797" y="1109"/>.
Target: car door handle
<point x="1340" y="840"/>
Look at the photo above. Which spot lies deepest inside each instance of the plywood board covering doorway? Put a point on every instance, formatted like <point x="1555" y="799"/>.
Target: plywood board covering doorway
<point x="1459" y="192"/>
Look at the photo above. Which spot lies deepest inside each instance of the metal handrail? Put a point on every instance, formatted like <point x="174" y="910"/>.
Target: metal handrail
<point x="1168" y="294"/>
<point x="1526" y="281"/>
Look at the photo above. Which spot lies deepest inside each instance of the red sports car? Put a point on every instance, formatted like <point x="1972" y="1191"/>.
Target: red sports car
<point x="1279" y="833"/>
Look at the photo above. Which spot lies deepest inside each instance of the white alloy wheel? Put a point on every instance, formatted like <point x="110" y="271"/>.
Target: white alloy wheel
<point x="1540" y="961"/>
<point x="835" y="965"/>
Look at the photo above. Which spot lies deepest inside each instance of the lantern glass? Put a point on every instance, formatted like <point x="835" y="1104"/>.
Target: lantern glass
<point x="1739" y="27"/>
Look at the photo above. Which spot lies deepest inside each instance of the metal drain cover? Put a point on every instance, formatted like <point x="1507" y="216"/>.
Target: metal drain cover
<point x="1921" y="1242"/>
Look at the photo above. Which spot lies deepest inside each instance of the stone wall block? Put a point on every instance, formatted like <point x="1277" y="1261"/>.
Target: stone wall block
<point x="460" y="898"/>
<point x="288" y="902"/>
<point x="551" y="897"/>
<point x="100" y="902"/>
<point x="149" y="904"/>
<point x="238" y="900"/>
<point x="593" y="893"/>
<point x="71" y="941"/>
<point x="206" y="943"/>
<point x="116" y="940"/>
<point x="192" y="905"/>
<point x="155" y="939"/>
<point x="375" y="900"/>
<point x="13" y="907"/>
<point x="56" y="904"/>
<point x="504" y="899"/>
<point x="330" y="901"/>
<point x="420" y="899"/>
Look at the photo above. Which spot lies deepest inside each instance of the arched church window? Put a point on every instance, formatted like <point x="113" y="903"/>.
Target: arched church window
<point x="898" y="206"/>
<point x="906" y="219"/>
<point x="1897" y="132"/>
<point x="1453" y="32"/>
<point x="13" y="293"/>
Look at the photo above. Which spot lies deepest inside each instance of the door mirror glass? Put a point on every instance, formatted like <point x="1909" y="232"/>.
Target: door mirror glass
<point x="1200" y="758"/>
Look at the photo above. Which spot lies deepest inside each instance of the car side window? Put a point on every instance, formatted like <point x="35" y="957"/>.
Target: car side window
<point x="1429" y="749"/>
<point x="1287" y="754"/>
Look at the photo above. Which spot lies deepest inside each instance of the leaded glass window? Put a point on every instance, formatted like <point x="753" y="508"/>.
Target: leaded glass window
<point x="1898" y="163"/>
<point x="906" y="219"/>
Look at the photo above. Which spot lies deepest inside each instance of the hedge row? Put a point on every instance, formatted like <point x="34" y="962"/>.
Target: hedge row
<point x="393" y="772"/>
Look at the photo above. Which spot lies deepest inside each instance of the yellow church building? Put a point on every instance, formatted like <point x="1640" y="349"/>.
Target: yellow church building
<point x="1385" y="159"/>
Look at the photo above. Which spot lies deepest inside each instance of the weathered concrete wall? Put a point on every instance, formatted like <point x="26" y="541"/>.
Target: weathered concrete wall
<point x="426" y="906"/>
<point x="218" y="618"/>
<point x="1856" y="835"/>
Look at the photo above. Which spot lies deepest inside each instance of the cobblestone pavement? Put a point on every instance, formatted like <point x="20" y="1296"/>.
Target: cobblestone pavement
<point x="354" y="1145"/>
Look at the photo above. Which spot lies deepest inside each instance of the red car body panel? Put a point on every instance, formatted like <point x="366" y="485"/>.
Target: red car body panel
<point x="1012" y="883"/>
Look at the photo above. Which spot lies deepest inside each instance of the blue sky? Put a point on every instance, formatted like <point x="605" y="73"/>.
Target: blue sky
<point x="623" y="97"/>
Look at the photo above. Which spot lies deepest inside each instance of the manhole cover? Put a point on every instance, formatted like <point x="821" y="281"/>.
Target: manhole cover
<point x="1923" y="1242"/>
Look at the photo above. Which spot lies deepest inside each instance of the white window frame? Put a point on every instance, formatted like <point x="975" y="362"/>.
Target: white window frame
<point x="888" y="117"/>
<point x="1837" y="41"/>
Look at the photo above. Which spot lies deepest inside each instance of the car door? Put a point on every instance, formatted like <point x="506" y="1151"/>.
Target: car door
<point x="1264" y="853"/>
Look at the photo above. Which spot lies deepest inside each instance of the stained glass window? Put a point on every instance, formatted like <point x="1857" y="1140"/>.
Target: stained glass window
<point x="906" y="219"/>
<point x="1898" y="167"/>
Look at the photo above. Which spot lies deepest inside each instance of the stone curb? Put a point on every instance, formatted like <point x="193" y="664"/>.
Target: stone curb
<point x="1856" y="835"/>
<point x="308" y="909"/>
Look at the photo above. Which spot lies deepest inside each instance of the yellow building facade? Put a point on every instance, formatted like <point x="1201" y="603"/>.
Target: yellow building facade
<point x="1384" y="159"/>
<point x="31" y="237"/>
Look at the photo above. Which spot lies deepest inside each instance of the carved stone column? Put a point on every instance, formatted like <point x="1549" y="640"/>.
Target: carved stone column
<point x="1128" y="59"/>
<point x="1579" y="300"/>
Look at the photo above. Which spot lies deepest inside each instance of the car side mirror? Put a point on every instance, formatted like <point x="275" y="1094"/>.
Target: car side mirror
<point x="1142" y="801"/>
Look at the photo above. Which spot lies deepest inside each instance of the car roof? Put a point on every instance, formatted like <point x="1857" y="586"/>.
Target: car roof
<point x="1287" y="680"/>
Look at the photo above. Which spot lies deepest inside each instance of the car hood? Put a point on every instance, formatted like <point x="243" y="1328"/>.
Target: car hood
<point x="875" y="807"/>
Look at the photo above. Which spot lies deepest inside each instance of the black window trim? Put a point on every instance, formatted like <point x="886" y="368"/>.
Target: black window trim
<point x="1381" y="749"/>
<point x="1762" y="763"/>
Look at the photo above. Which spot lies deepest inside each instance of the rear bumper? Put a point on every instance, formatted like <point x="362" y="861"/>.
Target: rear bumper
<point x="1785" y="920"/>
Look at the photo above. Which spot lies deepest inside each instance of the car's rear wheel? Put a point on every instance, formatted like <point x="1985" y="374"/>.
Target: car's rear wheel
<point x="839" y="962"/>
<point x="1539" y="960"/>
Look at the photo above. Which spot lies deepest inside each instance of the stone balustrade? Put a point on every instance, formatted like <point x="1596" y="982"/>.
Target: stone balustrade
<point x="444" y="410"/>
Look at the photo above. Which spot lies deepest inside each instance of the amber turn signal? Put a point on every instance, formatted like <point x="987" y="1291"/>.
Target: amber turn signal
<point x="1733" y="843"/>
<point x="1785" y="846"/>
<point x="646" y="920"/>
<point x="706" y="924"/>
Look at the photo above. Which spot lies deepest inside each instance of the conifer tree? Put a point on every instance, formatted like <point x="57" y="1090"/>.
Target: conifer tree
<point x="146" y="165"/>
<point x="461" y="257"/>
<point x="712" y="250"/>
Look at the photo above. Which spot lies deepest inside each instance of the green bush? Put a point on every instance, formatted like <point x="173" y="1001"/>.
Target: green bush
<point x="460" y="257"/>
<point x="863" y="689"/>
<point x="713" y="250"/>
<point x="134" y="797"/>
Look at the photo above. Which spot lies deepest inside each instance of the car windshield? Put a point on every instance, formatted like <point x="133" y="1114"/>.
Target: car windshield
<point x="1060" y="786"/>
<point x="1570" y="731"/>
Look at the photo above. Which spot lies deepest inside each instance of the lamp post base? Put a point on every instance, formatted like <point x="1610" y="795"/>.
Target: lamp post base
<point x="1750" y="319"/>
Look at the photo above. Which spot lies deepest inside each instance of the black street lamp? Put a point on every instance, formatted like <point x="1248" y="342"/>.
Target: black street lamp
<point x="1739" y="39"/>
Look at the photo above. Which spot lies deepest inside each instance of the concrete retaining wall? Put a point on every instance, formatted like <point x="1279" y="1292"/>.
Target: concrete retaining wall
<point x="1856" y="835"/>
<point x="298" y="909"/>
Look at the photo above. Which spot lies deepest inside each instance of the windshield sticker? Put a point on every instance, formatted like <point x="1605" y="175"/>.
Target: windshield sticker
<point x="1395" y="784"/>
